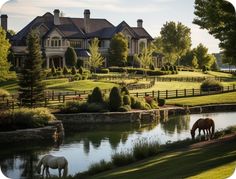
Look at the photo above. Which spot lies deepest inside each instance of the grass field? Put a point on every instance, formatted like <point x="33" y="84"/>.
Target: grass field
<point x="204" y="100"/>
<point x="200" y="74"/>
<point x="210" y="162"/>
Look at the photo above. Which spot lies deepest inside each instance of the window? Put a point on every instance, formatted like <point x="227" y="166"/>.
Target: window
<point x="141" y="46"/>
<point x="55" y="42"/>
<point x="76" y="44"/>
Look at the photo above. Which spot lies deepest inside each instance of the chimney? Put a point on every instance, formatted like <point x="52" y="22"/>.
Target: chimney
<point x="86" y="20"/>
<point x="140" y="23"/>
<point x="4" y="21"/>
<point x="56" y="17"/>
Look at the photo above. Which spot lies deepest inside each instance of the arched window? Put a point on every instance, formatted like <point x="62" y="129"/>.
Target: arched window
<point x="129" y="41"/>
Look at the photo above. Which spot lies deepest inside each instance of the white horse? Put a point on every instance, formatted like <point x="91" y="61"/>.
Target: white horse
<point x="49" y="161"/>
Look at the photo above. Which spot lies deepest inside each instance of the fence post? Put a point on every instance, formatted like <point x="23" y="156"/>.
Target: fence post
<point x="45" y="102"/>
<point x="166" y="94"/>
<point x="185" y="92"/>
<point x="137" y="94"/>
<point x="193" y="91"/>
<point x="59" y="97"/>
<point x="64" y="98"/>
<point x="53" y="95"/>
<point x="176" y="93"/>
<point x="158" y="94"/>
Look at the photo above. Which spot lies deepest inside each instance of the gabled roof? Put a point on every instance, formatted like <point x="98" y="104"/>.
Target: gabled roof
<point x="142" y="33"/>
<point x="73" y="28"/>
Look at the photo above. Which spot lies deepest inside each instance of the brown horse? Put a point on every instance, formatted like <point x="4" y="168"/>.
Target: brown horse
<point x="205" y="124"/>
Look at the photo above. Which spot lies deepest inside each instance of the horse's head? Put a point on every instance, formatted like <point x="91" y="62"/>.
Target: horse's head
<point x="192" y="134"/>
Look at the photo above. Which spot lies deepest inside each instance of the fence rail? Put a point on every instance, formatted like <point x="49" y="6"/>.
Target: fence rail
<point x="56" y="98"/>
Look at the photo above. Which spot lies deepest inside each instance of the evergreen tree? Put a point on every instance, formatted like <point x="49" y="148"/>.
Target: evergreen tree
<point x="4" y="50"/>
<point x="195" y="62"/>
<point x="71" y="57"/>
<point x="146" y="58"/>
<point x="118" y="51"/>
<point x="96" y="58"/>
<point x="31" y="86"/>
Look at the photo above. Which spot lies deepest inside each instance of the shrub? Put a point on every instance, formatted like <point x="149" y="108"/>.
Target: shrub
<point x="81" y="70"/>
<point x="85" y="76"/>
<point x="71" y="107"/>
<point x="65" y="70"/>
<point x="126" y="100"/>
<point x="102" y="70"/>
<point x="151" y="66"/>
<point x="211" y="85"/>
<point x="137" y="103"/>
<point x="77" y="77"/>
<point x="4" y="92"/>
<point x="124" y="90"/>
<point x="123" y="158"/>
<point x="100" y="167"/>
<point x="94" y="107"/>
<point x="73" y="71"/>
<point x="115" y="99"/>
<point x="161" y="102"/>
<point x="25" y="118"/>
<point x="96" y="96"/>
<point x="53" y="71"/>
<point x="124" y="108"/>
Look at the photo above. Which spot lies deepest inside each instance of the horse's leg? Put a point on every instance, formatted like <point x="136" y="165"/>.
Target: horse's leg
<point x="59" y="170"/>
<point x="209" y="131"/>
<point x="199" y="135"/>
<point x="204" y="132"/>
<point x="43" y="171"/>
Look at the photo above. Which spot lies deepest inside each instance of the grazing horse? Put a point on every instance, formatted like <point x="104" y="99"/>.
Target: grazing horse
<point x="205" y="124"/>
<point x="49" y="161"/>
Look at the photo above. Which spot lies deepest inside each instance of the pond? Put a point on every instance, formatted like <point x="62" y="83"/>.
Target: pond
<point x="85" y="145"/>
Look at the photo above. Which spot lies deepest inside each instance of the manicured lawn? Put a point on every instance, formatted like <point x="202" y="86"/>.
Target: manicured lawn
<point x="199" y="74"/>
<point x="204" y="100"/>
<point x="62" y="85"/>
<point x="211" y="162"/>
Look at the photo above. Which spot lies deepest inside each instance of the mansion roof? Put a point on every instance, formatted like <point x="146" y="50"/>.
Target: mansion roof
<point x="74" y="28"/>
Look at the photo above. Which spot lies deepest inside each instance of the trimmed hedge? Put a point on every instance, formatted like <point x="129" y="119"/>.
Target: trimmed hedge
<point x="211" y="85"/>
<point x="24" y="118"/>
<point x="115" y="99"/>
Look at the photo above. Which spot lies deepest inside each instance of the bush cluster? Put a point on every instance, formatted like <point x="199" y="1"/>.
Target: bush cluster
<point x="25" y="118"/>
<point x="4" y="92"/>
<point x="211" y="85"/>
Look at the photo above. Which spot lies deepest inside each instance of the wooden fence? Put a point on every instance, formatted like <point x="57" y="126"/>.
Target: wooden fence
<point x="56" y="98"/>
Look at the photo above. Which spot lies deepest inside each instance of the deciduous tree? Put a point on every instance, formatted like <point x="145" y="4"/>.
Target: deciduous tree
<point x="219" y="19"/>
<point x="96" y="59"/>
<point x="118" y="51"/>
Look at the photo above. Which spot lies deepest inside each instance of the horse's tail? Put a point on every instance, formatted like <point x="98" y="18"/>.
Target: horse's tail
<point x="65" y="172"/>
<point x="212" y="129"/>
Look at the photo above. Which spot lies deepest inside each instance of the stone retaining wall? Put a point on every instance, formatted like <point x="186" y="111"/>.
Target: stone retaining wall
<point x="110" y="117"/>
<point x="52" y="132"/>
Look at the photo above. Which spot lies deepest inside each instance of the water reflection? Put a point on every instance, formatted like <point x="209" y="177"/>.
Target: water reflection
<point x="176" y="124"/>
<point x="87" y="144"/>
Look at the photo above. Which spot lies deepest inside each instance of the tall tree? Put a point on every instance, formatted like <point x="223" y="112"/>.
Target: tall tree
<point x="175" y="40"/>
<point x="31" y="86"/>
<point x="4" y="50"/>
<point x="118" y="51"/>
<point x="218" y="17"/>
<point x="71" y="57"/>
<point x="204" y="59"/>
<point x="96" y="59"/>
<point x="145" y="57"/>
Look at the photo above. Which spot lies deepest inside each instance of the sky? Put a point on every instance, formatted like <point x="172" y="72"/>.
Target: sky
<point x="154" y="13"/>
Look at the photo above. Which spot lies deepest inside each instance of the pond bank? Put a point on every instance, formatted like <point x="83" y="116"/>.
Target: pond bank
<point x="140" y="116"/>
<point x="50" y="133"/>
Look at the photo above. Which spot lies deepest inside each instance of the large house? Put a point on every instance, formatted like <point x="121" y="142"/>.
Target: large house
<point x="57" y="33"/>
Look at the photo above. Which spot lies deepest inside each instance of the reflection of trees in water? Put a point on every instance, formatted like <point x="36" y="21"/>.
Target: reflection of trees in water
<point x="23" y="158"/>
<point x="113" y="133"/>
<point x="178" y="123"/>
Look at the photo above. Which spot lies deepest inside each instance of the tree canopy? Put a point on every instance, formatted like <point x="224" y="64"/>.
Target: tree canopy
<point x="96" y="59"/>
<point x="71" y="57"/>
<point x="174" y="42"/>
<point x="118" y="51"/>
<point x="218" y="17"/>
<point x="4" y="50"/>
